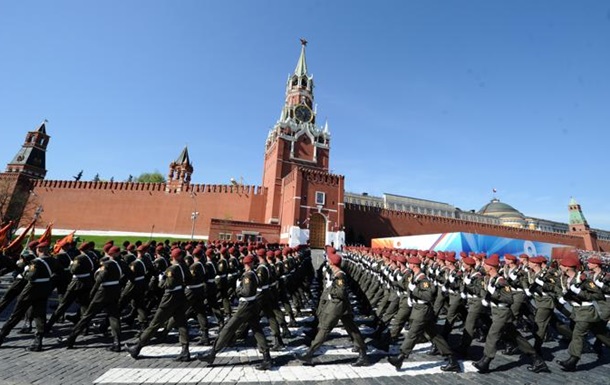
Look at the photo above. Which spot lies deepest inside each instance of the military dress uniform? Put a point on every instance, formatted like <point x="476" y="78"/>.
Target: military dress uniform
<point x="336" y="307"/>
<point x="173" y="305"/>
<point x="421" y="321"/>
<point x="247" y="312"/>
<point x="105" y="295"/>
<point x="78" y="290"/>
<point x="499" y="297"/>
<point x="35" y="294"/>
<point x="580" y="291"/>
<point x="196" y="296"/>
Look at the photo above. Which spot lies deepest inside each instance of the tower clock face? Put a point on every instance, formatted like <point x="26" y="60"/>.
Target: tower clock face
<point x="303" y="113"/>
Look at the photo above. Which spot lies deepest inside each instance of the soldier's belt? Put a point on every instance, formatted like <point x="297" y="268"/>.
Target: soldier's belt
<point x="41" y="280"/>
<point x="195" y="286"/>
<point x="607" y="296"/>
<point x="274" y="284"/>
<point x="139" y="278"/>
<point x="82" y="275"/>
<point x="419" y="301"/>
<point x="577" y="304"/>
<point x="110" y="283"/>
<point x="541" y="294"/>
<point x="211" y="280"/>
<point x="247" y="299"/>
<point x="518" y="289"/>
<point x="498" y="305"/>
<point x="174" y="289"/>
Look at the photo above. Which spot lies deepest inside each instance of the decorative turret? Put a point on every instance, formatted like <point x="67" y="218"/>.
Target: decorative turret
<point x="577" y="218"/>
<point x="180" y="172"/>
<point x="31" y="159"/>
<point x="578" y="226"/>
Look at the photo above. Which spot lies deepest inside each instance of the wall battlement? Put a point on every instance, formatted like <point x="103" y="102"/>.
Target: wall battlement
<point x="136" y="186"/>
<point x="323" y="177"/>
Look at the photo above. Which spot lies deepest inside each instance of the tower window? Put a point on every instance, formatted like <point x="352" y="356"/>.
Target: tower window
<point x="320" y="198"/>
<point x="304" y="82"/>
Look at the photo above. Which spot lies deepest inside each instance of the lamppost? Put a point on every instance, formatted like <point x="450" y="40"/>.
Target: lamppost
<point x="194" y="216"/>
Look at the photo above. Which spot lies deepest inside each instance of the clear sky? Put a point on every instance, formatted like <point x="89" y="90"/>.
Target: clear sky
<point x="441" y="100"/>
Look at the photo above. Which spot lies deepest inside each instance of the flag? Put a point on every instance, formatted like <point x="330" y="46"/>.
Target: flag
<point x="46" y="236"/>
<point x="26" y="250"/>
<point x="5" y="234"/>
<point x="64" y="241"/>
<point x="14" y="248"/>
<point x="495" y="191"/>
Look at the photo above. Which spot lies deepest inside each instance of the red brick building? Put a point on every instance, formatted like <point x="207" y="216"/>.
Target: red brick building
<point x="299" y="199"/>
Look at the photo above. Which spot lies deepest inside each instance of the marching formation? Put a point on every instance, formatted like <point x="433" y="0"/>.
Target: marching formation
<point x="496" y="301"/>
<point x="156" y="287"/>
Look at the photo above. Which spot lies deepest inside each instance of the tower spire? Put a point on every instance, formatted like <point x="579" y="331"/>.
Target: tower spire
<point x="301" y="68"/>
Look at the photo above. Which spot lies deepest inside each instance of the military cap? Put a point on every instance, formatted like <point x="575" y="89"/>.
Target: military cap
<point x="595" y="260"/>
<point x="493" y="260"/>
<point x="334" y="259"/>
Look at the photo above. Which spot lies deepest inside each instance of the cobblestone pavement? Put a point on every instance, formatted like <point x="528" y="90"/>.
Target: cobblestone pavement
<point x="91" y="363"/>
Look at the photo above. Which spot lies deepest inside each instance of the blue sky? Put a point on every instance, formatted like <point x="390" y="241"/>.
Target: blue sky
<point x="442" y="100"/>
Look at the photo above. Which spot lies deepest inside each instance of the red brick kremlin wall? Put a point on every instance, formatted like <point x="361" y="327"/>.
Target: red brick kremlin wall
<point x="136" y="207"/>
<point x="365" y="223"/>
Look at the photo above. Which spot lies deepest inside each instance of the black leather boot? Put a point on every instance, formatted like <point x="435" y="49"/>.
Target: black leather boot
<point x="286" y="332"/>
<point x="36" y="345"/>
<point x="306" y="358"/>
<point x="482" y="365"/>
<point x="452" y="365"/>
<point x="363" y="359"/>
<point x="569" y="365"/>
<point x="208" y="357"/>
<point x="116" y="346"/>
<point x="134" y="350"/>
<point x="185" y="355"/>
<point x="538" y="365"/>
<point x="396" y="361"/>
<point x="266" y="364"/>
<point x="69" y="341"/>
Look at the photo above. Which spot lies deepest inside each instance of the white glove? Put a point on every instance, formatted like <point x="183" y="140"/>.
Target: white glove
<point x="575" y="289"/>
<point x="411" y="286"/>
<point x="562" y="301"/>
<point x="485" y="303"/>
<point x="467" y="280"/>
<point x="444" y="289"/>
<point x="513" y="276"/>
<point x="528" y="292"/>
<point x="491" y="288"/>
<point x="539" y="281"/>
<point x="452" y="278"/>
<point x="409" y="302"/>
<point x="463" y="295"/>
<point x="599" y="284"/>
<point x="329" y="283"/>
<point x="161" y="277"/>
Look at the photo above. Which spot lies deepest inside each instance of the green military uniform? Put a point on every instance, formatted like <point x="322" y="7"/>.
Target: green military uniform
<point x="247" y="312"/>
<point x="35" y="294"/>
<point x="173" y="305"/>
<point x="334" y="307"/>
<point x="79" y="289"/>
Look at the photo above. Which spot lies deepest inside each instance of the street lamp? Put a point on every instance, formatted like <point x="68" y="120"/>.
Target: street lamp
<point x="194" y="216"/>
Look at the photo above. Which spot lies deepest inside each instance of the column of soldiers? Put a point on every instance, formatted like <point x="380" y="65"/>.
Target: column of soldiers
<point x="492" y="300"/>
<point x="155" y="286"/>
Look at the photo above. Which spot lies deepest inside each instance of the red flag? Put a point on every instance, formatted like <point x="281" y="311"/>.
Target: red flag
<point x="65" y="240"/>
<point x="46" y="236"/>
<point x="4" y="234"/>
<point x="14" y="248"/>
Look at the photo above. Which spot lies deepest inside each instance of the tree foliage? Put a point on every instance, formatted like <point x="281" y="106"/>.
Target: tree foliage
<point x="151" y="177"/>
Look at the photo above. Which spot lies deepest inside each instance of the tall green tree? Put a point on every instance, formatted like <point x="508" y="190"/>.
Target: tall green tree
<point x="151" y="177"/>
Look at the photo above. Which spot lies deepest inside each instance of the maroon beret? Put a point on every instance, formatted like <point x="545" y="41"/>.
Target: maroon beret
<point x="334" y="259"/>
<point x="570" y="261"/>
<point x="414" y="260"/>
<point x="510" y="257"/>
<point x="469" y="261"/>
<point x="32" y="245"/>
<point x="42" y="244"/>
<point x="493" y="260"/>
<point x="114" y="250"/>
<point x="176" y="253"/>
<point x="260" y="252"/>
<point x="248" y="259"/>
<point x="595" y="260"/>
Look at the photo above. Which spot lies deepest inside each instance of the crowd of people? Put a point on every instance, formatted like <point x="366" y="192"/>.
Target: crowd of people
<point x="156" y="287"/>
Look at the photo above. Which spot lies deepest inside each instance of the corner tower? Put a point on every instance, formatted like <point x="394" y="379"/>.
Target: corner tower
<point x="295" y="140"/>
<point x="29" y="164"/>
<point x="578" y="225"/>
